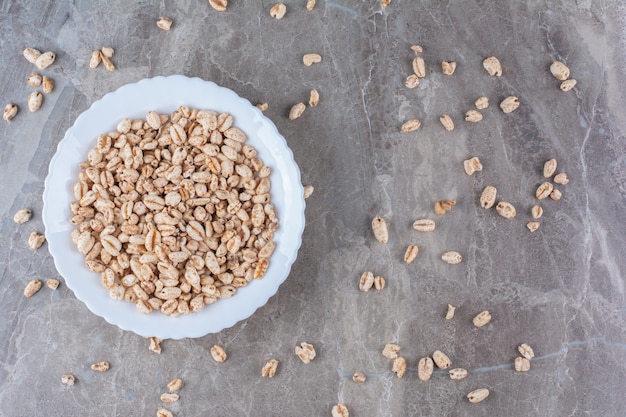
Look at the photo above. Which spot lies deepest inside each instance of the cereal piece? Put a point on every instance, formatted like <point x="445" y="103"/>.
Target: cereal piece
<point x="526" y="351"/>
<point x="31" y="55"/>
<point x="107" y="51"/>
<point x="379" y="227"/>
<point x="473" y="116"/>
<point x="340" y="410"/>
<point x="472" y="165"/>
<point x="458" y="374"/>
<point x="411" y="125"/>
<point x="452" y="257"/>
<point x="478" y="395"/>
<point x="443" y="206"/>
<point x="306" y="352"/>
<point x="359" y="377"/>
<point x="385" y="3"/>
<point x="175" y="385"/>
<point x="34" y="101"/>
<point x="567" y="85"/>
<point x="310" y="4"/>
<point x="162" y="412"/>
<point x="536" y="211"/>
<point x="556" y="195"/>
<point x="509" y="104"/>
<point x="100" y="366"/>
<point x="411" y="253"/>
<point x="533" y="226"/>
<point x="450" y="312"/>
<point x="314" y="98"/>
<point x="48" y="85"/>
<point x="218" y="353"/>
<point x="448" y="68"/>
<point x="441" y="359"/>
<point x="155" y="345"/>
<point x="447" y="122"/>
<point x="482" y="318"/>
<point x="262" y="106"/>
<point x="424" y="225"/>
<point x="559" y="70"/>
<point x="34" y="80"/>
<point x="561" y="178"/>
<point x="544" y="190"/>
<point x="35" y="240"/>
<point x="308" y="191"/>
<point x="310" y="59"/>
<point x="549" y="167"/>
<point x="482" y="103"/>
<point x="219" y="5"/>
<point x="269" y="369"/>
<point x="95" y="59"/>
<point x="412" y="81"/>
<point x="522" y="364"/>
<point x="425" y="368"/>
<point x="10" y="111"/>
<point x="296" y="111"/>
<point x="278" y="11"/>
<point x="399" y="366"/>
<point x="417" y="49"/>
<point x="169" y="398"/>
<point x="488" y="197"/>
<point x="391" y="351"/>
<point x="68" y="379"/>
<point x="261" y="268"/>
<point x="52" y="283"/>
<point x="493" y="66"/>
<point x="32" y="288"/>
<point x="107" y="63"/>
<point x="164" y="23"/>
<point x="506" y="210"/>
<point x="419" y="66"/>
<point x="367" y="281"/>
<point x="22" y="216"/>
<point x="44" y="60"/>
<point x="379" y="282"/>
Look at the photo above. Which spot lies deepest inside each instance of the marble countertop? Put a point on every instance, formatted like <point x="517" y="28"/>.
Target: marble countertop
<point x="560" y="289"/>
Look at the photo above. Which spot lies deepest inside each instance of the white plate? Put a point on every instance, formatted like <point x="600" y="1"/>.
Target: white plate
<point x="164" y="95"/>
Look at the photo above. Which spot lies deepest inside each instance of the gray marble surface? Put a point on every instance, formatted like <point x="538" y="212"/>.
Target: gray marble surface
<point x="560" y="289"/>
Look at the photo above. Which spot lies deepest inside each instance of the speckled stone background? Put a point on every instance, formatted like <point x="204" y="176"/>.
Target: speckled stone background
<point x="560" y="289"/>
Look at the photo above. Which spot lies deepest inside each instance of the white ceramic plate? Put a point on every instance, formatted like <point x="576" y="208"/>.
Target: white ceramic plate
<point x="164" y="95"/>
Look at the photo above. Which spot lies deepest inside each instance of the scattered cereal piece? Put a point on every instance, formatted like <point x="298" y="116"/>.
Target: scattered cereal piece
<point x="417" y="49"/>
<point x="379" y="227"/>
<point x="169" y="398"/>
<point x="424" y="225"/>
<point x="35" y="240"/>
<point x="549" y="167"/>
<point x="100" y="366"/>
<point x="391" y="351"/>
<point x="52" y="283"/>
<point x="452" y="257"/>
<point x="448" y="68"/>
<point x="359" y="377"/>
<point x="458" y="374"/>
<point x="411" y="253"/>
<point x="482" y="318"/>
<point x="425" y="368"/>
<point x="379" y="282"/>
<point x="44" y="60"/>
<point x="107" y="62"/>
<point x="32" y="288"/>
<point x="155" y="345"/>
<point x="269" y="369"/>
<point x="175" y="385"/>
<point x="419" y="66"/>
<point x="399" y="366"/>
<point x="385" y="3"/>
<point x="536" y="211"/>
<point x="107" y="51"/>
<point x="488" y="197"/>
<point x="556" y="195"/>
<point x="478" y="395"/>
<point x="310" y="59"/>
<point x="278" y="11"/>
<point x="367" y="281"/>
<point x="164" y="23"/>
<point x="162" y="412"/>
<point x="443" y="206"/>
<point x="567" y="85"/>
<point x="472" y="165"/>
<point x="493" y="66"/>
<point x="95" y="59"/>
<point x="473" y="116"/>
<point x="506" y="210"/>
<point x="509" y="104"/>
<point x="533" y="226"/>
<point x="340" y="410"/>
<point x="308" y="191"/>
<point x="34" y="80"/>
<point x="219" y="5"/>
<point x="68" y="379"/>
<point x="314" y="98"/>
<point x="544" y="190"/>
<point x="296" y="111"/>
<point x="306" y="352"/>
<point x="522" y="364"/>
<point x="441" y="359"/>
<point x="310" y="4"/>
<point x="559" y="70"/>
<point x="412" y="81"/>
<point x="450" y="312"/>
<point x="10" y="111"/>
<point x="22" y="216"/>
<point x="447" y="122"/>
<point x="48" y="85"/>
<point x="218" y="353"/>
<point x="31" y="55"/>
<point x="35" y="99"/>
<point x="526" y="351"/>
<point x="561" y="178"/>
<point x="482" y="103"/>
<point x="411" y="125"/>
<point x="262" y="106"/>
